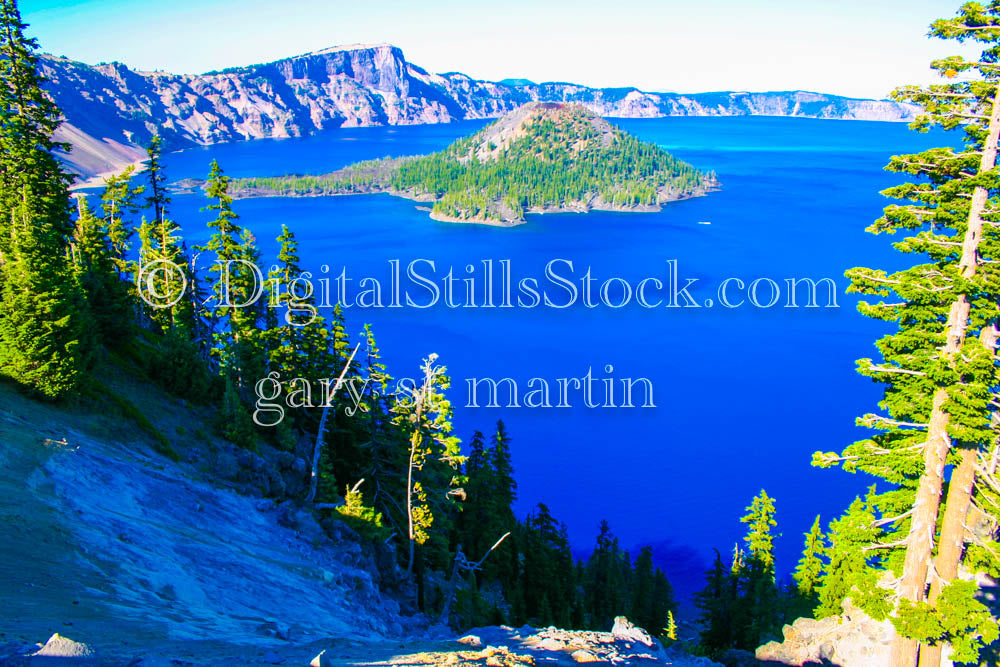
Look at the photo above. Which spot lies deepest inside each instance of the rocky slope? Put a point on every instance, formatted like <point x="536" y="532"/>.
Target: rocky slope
<point x="116" y="555"/>
<point x="118" y="547"/>
<point x="112" y="110"/>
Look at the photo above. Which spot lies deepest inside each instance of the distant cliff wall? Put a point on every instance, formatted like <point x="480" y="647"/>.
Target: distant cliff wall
<point x="111" y="111"/>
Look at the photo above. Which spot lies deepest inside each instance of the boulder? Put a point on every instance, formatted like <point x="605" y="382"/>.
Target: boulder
<point x="321" y="660"/>
<point x="623" y="630"/>
<point x="583" y="655"/>
<point x="852" y="639"/>
<point x="551" y="644"/>
<point x="59" y="650"/>
<point x="275" y="629"/>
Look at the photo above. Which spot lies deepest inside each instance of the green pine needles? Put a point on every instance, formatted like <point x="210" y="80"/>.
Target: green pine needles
<point x="938" y="368"/>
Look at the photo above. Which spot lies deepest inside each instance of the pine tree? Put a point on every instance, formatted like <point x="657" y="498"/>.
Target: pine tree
<point x="670" y="632"/>
<point x="299" y="346"/>
<point x="759" y="539"/>
<point x="852" y="571"/>
<point x="936" y="371"/>
<point x="605" y="581"/>
<point x="434" y="456"/>
<point x="241" y="346"/>
<point x="118" y="204"/>
<point x="383" y="441"/>
<point x="716" y="602"/>
<point x="43" y="329"/>
<point x="163" y="275"/>
<point x="157" y="179"/>
<point x="506" y="488"/>
<point x="108" y="296"/>
<point x="44" y="316"/>
<point x="547" y="576"/>
<point x="475" y="528"/>
<point x="810" y="567"/>
<point x="29" y="171"/>
<point x="642" y="607"/>
<point x="758" y="605"/>
<point x="500" y="505"/>
<point x="163" y="278"/>
<point x="226" y="274"/>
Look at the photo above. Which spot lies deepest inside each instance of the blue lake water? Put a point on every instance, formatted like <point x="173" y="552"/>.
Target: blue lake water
<point x="744" y="395"/>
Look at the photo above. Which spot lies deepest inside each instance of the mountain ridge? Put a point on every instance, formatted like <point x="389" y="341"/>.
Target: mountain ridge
<point x="112" y="110"/>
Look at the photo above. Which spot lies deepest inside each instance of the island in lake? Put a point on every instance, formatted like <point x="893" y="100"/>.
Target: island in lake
<point x="540" y="158"/>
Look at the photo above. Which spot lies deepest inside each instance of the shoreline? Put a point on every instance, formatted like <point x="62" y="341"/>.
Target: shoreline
<point x="424" y="198"/>
<point x="489" y="222"/>
<point x="97" y="180"/>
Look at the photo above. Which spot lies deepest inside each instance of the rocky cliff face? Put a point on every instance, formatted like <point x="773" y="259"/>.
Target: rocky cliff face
<point x="111" y="111"/>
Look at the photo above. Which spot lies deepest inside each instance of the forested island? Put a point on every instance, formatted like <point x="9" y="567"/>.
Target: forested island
<point x="540" y="158"/>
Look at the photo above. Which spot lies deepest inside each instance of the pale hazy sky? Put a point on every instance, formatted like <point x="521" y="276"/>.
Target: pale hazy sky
<point x="850" y="47"/>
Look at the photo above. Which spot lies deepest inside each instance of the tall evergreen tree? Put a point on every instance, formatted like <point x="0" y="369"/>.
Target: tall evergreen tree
<point x="118" y="205"/>
<point x="605" y="579"/>
<point x="43" y="316"/>
<point x="479" y="485"/>
<point x="108" y="295"/>
<point x="239" y="310"/>
<point x="547" y="572"/>
<point x="642" y="606"/>
<point x="937" y="373"/>
<point x="157" y="199"/>
<point x="716" y="603"/>
<point x="852" y="570"/>
<point x="434" y="457"/>
<point x="43" y="328"/>
<point x="757" y="574"/>
<point x="500" y="513"/>
<point x="809" y="571"/>
<point x="382" y="440"/>
<point x="500" y="456"/>
<point x="163" y="278"/>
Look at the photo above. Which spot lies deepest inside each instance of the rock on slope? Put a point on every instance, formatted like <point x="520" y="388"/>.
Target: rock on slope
<point x="112" y="110"/>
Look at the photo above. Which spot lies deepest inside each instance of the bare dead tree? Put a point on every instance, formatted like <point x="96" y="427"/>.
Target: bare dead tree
<point x="464" y="566"/>
<point x="320" y="432"/>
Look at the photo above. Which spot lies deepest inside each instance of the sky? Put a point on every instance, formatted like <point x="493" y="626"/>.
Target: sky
<point x="861" y="48"/>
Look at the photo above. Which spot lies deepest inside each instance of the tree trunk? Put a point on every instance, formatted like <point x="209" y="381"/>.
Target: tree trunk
<point x="318" y="447"/>
<point x="317" y="450"/>
<point x="920" y="541"/>
<point x="414" y="439"/>
<point x="963" y="476"/>
<point x="952" y="540"/>
<point x="452" y="586"/>
<point x="957" y="504"/>
<point x="421" y="585"/>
